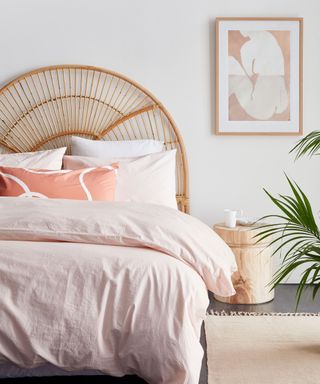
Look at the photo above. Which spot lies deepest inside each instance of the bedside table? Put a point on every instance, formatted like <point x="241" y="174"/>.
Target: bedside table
<point x="254" y="265"/>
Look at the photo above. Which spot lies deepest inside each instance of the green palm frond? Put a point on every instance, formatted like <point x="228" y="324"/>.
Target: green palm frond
<point x="309" y="145"/>
<point x="296" y="235"/>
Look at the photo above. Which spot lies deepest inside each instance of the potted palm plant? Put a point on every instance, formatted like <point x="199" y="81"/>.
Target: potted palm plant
<point x="293" y="231"/>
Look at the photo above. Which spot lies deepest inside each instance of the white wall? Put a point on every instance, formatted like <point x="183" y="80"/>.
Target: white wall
<point x="168" y="46"/>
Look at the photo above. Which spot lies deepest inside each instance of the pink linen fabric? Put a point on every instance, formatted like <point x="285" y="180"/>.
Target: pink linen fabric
<point x="82" y="184"/>
<point x="119" y="223"/>
<point x="118" y="287"/>
<point x="120" y="310"/>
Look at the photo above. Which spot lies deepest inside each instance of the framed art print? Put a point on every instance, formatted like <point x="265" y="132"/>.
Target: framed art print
<point x="259" y="76"/>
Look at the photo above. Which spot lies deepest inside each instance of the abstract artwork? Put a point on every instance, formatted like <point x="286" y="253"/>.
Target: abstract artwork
<point x="259" y="76"/>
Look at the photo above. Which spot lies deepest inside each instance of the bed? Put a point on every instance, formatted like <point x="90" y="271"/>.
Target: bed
<point x="98" y="287"/>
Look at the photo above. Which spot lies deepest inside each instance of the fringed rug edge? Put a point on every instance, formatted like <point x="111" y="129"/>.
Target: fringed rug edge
<point x="241" y="313"/>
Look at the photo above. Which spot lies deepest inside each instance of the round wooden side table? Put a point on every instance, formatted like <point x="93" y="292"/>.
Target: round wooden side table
<point x="254" y="263"/>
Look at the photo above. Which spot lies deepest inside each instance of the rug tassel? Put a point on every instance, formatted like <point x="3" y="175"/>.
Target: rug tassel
<point x="242" y="313"/>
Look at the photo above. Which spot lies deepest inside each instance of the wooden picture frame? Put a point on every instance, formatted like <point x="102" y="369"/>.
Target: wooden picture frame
<point x="259" y="76"/>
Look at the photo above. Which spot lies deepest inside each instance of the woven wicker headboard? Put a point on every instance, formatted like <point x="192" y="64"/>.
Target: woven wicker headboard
<point x="43" y="108"/>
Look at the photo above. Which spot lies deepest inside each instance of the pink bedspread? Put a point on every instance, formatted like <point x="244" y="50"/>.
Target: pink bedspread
<point x="70" y="297"/>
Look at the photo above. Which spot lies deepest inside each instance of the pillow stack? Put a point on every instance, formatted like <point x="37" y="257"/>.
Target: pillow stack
<point x="146" y="173"/>
<point x="132" y="171"/>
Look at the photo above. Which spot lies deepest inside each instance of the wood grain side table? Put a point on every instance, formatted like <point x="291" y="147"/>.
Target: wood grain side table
<point x="254" y="263"/>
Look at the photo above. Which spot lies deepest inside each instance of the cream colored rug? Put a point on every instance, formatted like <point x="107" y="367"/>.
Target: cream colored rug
<point x="266" y="349"/>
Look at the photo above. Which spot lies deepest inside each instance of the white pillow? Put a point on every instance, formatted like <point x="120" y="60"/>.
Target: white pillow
<point x="147" y="179"/>
<point x="108" y="149"/>
<point x="51" y="159"/>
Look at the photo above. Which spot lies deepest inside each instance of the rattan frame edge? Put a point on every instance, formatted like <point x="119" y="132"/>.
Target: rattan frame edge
<point x="182" y="198"/>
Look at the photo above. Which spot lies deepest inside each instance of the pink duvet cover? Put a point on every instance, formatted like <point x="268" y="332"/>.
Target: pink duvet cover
<point x="117" y="287"/>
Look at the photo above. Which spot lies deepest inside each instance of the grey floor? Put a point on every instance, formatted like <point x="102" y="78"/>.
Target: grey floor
<point x="284" y="302"/>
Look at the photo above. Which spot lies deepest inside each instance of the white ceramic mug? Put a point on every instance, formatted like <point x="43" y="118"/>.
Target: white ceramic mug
<point x="230" y="217"/>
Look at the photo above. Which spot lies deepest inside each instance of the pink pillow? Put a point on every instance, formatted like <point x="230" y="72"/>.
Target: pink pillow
<point x="82" y="184"/>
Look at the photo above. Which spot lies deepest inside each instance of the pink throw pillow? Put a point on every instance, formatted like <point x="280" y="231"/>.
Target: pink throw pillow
<point x="97" y="183"/>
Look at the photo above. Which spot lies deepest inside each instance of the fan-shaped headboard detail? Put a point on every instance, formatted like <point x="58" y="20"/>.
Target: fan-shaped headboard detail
<point x="42" y="109"/>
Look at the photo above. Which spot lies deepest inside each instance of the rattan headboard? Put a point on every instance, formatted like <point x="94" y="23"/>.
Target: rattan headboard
<point x="43" y="108"/>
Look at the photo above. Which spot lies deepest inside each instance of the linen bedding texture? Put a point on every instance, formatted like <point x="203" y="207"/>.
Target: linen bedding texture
<point x="113" y="286"/>
<point x="81" y="184"/>
<point x="145" y="179"/>
<point x="50" y="159"/>
<point x="121" y="148"/>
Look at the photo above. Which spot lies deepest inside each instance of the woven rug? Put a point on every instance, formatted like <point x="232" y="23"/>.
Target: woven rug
<point x="260" y="348"/>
